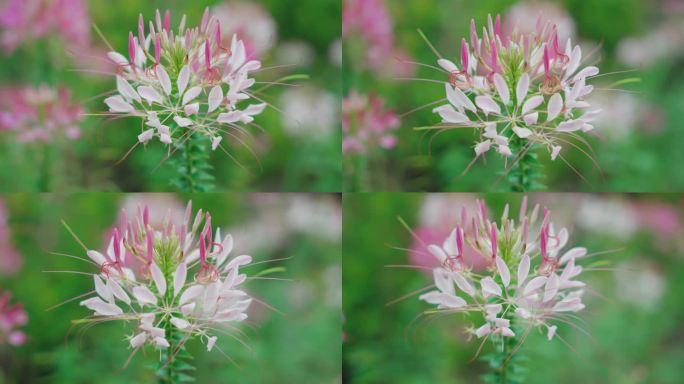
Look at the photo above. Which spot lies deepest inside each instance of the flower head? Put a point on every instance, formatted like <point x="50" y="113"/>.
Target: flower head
<point x="41" y="114"/>
<point x="529" y="279"/>
<point x="11" y="318"/>
<point x="526" y="87"/>
<point x="185" y="81"/>
<point x="186" y="283"/>
<point x="366" y="124"/>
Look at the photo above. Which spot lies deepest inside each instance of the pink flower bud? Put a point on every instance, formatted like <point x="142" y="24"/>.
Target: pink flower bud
<point x="497" y="26"/>
<point x="150" y="246"/>
<point x="157" y="48"/>
<point x="547" y="69"/>
<point x="473" y="34"/>
<point x="131" y="47"/>
<point x="141" y="28"/>
<point x="167" y="20"/>
<point x="117" y="245"/>
<point x="459" y="240"/>
<point x="495" y="57"/>
<point x="492" y="234"/>
<point x="207" y="54"/>
<point x="464" y="56"/>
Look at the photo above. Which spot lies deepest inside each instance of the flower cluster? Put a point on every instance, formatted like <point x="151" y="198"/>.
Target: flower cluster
<point x="529" y="280"/>
<point x="27" y="20"/>
<point x="184" y="82"/>
<point x="11" y="318"/>
<point x="185" y="286"/>
<point x="43" y="114"/>
<point x="366" y="125"/>
<point x="10" y="259"/>
<point x="518" y="90"/>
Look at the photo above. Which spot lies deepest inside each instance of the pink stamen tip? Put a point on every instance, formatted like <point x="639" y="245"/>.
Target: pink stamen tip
<point x="464" y="55"/>
<point x="157" y="48"/>
<point x="131" y="47"/>
<point x="167" y="20"/>
<point x="547" y="70"/>
<point x="459" y="240"/>
<point x="492" y="234"/>
<point x="207" y="54"/>
<point x="497" y="26"/>
<point x="203" y="250"/>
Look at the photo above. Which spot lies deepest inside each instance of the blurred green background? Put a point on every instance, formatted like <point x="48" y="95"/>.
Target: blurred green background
<point x="300" y="155"/>
<point x="638" y="140"/>
<point x="302" y="346"/>
<point x="634" y="317"/>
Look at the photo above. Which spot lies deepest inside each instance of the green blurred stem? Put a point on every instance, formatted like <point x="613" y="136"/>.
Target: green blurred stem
<point x="44" y="175"/>
<point x="192" y="164"/>
<point x="524" y="174"/>
<point x="505" y="361"/>
<point x="173" y="366"/>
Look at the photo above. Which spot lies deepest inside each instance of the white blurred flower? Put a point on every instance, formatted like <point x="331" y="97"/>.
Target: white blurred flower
<point x="309" y="112"/>
<point x="621" y="113"/>
<point x="316" y="216"/>
<point x="250" y="21"/>
<point x="335" y="52"/>
<point x="663" y="42"/>
<point x="610" y="215"/>
<point x="295" y="52"/>
<point x="640" y="283"/>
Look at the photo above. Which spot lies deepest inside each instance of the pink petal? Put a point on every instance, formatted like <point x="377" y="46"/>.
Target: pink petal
<point x="118" y="104"/>
<point x="215" y="98"/>
<point x="144" y="295"/>
<point x="502" y="88"/>
<point x="164" y="79"/>
<point x="150" y="94"/>
<point x="159" y="279"/>
<point x="487" y="105"/>
<point x="490" y="287"/>
<point x="522" y="88"/>
<point x="532" y="103"/>
<point x="555" y="106"/>
<point x="191" y="94"/>
<point x="179" y="278"/>
<point x="523" y="269"/>
<point x="503" y="271"/>
<point x="183" y="78"/>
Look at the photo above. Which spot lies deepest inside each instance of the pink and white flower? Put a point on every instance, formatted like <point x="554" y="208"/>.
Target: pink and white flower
<point x="11" y="318"/>
<point x="185" y="82"/>
<point x="188" y="283"/>
<point x="366" y="125"/>
<point x="530" y="279"/>
<point x="524" y="87"/>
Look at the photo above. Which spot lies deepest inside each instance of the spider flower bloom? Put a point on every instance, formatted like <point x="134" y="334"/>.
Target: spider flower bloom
<point x="366" y="124"/>
<point x="26" y="20"/>
<point x="185" y="81"/>
<point x="41" y="114"/>
<point x="518" y="90"/>
<point x="11" y="318"/>
<point x="530" y="279"/>
<point x="188" y="286"/>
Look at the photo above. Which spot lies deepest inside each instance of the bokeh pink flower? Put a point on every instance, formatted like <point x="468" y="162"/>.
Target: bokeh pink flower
<point x="366" y="124"/>
<point x="24" y="21"/>
<point x="40" y="114"/>
<point x="12" y="317"/>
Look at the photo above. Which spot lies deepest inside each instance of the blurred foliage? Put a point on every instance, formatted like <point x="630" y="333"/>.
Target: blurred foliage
<point x="99" y="160"/>
<point x="300" y="346"/>
<point x="635" y="162"/>
<point x="391" y="343"/>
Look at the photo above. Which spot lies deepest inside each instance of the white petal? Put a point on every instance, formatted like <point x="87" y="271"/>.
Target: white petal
<point x="238" y="262"/>
<point x="191" y="109"/>
<point x="159" y="280"/>
<point x="146" y="136"/>
<point x="179" y="323"/>
<point x="97" y="257"/>
<point x="531" y="118"/>
<point x="505" y="331"/>
<point x="210" y="342"/>
<point x="118" y="104"/>
<point x="102" y="308"/>
<point x="102" y="289"/>
<point x="190" y="294"/>
<point x="126" y="90"/>
<point x="164" y="79"/>
<point x="534" y="284"/>
<point x="179" y="278"/>
<point x="570" y="126"/>
<point x="117" y="58"/>
<point x="552" y="332"/>
<point x="150" y="94"/>
<point x="523" y="313"/>
<point x="555" y="106"/>
<point x="575" y="58"/>
<point x="574" y="253"/>
<point x="450" y="301"/>
<point x="522" y="133"/>
<point x="161" y="342"/>
<point x="215" y="141"/>
<point x="191" y="94"/>
<point x="487" y="105"/>
<point x="144" y="295"/>
<point x="502" y="88"/>
<point x="555" y="151"/>
<point x="183" y="78"/>
<point x="437" y="252"/>
<point x="523" y="269"/>
<point x="183" y="121"/>
<point x="490" y="287"/>
<point x="522" y="88"/>
<point x="138" y="340"/>
<point x="449" y="245"/>
<point x="443" y="281"/>
<point x="503" y="271"/>
<point x="118" y="292"/>
<point x="483" y="330"/>
<point x="448" y="65"/>
<point x="482" y="147"/>
<point x="586" y="72"/>
<point x="450" y="115"/>
<point x="215" y="98"/>
<point x="461" y="98"/>
<point x="551" y="288"/>
<point x="463" y="284"/>
<point x="532" y="103"/>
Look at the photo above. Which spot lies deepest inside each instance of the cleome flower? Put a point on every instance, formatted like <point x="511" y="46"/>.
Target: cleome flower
<point x="366" y="125"/>
<point x="518" y="91"/>
<point x="187" y="285"/>
<point x="11" y="318"/>
<point x="185" y="81"/>
<point x="529" y="281"/>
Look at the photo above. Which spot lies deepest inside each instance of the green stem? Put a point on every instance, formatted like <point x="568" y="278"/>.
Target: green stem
<point x="44" y="177"/>
<point x="192" y="164"/>
<point x="505" y="360"/>
<point x="173" y="366"/>
<point x="524" y="175"/>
